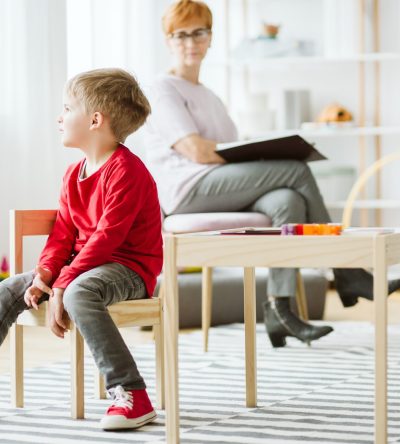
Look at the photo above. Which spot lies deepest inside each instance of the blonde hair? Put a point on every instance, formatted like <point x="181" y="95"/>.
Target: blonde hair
<point x="116" y="94"/>
<point x="182" y="12"/>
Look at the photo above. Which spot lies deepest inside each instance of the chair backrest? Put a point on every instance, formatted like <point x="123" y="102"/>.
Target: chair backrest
<point x="361" y="182"/>
<point x="40" y="223"/>
<point x="27" y="223"/>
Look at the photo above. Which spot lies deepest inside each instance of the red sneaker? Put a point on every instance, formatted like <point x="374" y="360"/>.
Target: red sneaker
<point x="130" y="409"/>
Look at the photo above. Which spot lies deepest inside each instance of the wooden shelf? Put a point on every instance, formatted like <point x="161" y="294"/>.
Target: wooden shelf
<point x="254" y="59"/>
<point x="331" y="132"/>
<point x="261" y="62"/>
<point x="369" y="204"/>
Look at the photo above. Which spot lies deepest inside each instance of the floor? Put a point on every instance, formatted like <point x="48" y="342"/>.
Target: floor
<point x="318" y="394"/>
<point x="42" y="348"/>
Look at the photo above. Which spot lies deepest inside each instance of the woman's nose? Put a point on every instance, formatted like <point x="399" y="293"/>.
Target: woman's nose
<point x="189" y="41"/>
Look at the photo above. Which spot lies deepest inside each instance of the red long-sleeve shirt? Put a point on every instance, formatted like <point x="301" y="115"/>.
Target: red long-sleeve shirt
<point x="111" y="216"/>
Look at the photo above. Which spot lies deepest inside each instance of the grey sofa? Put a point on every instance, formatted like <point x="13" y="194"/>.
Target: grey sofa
<point x="227" y="304"/>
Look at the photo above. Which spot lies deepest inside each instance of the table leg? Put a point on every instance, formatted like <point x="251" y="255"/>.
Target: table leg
<point x="206" y="303"/>
<point x="171" y="342"/>
<point x="380" y="301"/>
<point x="250" y="335"/>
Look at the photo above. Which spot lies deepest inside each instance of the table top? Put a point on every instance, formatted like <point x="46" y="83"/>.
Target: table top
<point x="346" y="251"/>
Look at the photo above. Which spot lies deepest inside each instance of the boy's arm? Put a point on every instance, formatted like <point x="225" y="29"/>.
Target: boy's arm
<point x="126" y="194"/>
<point x="60" y="243"/>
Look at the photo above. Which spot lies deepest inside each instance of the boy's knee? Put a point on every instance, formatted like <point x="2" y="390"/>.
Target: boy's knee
<point x="70" y="297"/>
<point x="74" y="295"/>
<point x="82" y="290"/>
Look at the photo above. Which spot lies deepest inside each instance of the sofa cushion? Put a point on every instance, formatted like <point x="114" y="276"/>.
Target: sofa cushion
<point x="193" y="222"/>
<point x="227" y="306"/>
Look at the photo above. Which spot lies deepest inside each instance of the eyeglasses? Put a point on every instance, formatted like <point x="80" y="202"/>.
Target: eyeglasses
<point x="198" y="36"/>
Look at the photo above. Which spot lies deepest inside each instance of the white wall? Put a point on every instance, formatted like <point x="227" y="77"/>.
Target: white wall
<point x="334" y="27"/>
<point x="101" y="35"/>
<point x="32" y="158"/>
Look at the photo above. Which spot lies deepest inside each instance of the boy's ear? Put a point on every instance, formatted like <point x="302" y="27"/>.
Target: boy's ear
<point x="97" y="120"/>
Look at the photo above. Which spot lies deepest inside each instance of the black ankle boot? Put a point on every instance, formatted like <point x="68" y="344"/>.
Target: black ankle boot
<point x="352" y="283"/>
<point x="280" y="322"/>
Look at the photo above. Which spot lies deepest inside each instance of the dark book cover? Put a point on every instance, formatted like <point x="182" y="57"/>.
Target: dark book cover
<point x="291" y="147"/>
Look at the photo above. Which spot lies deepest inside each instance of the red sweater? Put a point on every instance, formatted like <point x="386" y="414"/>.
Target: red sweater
<point x="111" y="216"/>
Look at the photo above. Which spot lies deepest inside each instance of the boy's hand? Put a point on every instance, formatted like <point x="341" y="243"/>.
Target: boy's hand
<point x="58" y="317"/>
<point x="39" y="286"/>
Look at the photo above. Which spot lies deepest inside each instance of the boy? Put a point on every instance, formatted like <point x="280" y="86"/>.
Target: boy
<point x="106" y="244"/>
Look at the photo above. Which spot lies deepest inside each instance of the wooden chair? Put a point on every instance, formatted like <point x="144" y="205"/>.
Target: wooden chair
<point x="361" y="182"/>
<point x="144" y="312"/>
<point x="197" y="222"/>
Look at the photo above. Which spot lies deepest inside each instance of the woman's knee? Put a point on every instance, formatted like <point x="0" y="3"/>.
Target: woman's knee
<point x="283" y="205"/>
<point x="293" y="204"/>
<point x="304" y="170"/>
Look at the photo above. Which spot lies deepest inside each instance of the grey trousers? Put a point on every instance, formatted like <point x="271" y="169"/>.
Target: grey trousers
<point x="285" y="190"/>
<point x="85" y="300"/>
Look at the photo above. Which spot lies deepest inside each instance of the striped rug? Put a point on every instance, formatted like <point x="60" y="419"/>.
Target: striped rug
<point x="321" y="394"/>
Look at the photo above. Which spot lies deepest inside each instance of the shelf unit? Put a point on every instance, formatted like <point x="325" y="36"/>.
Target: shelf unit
<point x="362" y="130"/>
<point x="310" y="134"/>
<point x="273" y="61"/>
<point x="367" y="204"/>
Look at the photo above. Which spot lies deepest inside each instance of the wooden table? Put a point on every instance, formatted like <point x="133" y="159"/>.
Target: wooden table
<point x="371" y="250"/>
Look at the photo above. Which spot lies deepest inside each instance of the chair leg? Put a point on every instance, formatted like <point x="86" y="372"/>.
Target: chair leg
<point x="17" y="365"/>
<point x="206" y="303"/>
<point x="160" y="295"/>
<point x="161" y="290"/>
<point x="158" y="337"/>
<point x="160" y="372"/>
<point x="99" y="385"/>
<point x="301" y="297"/>
<point x="77" y="375"/>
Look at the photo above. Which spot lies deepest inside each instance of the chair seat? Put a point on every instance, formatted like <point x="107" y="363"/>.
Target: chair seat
<point x="34" y="317"/>
<point x="192" y="222"/>
<point x="139" y="312"/>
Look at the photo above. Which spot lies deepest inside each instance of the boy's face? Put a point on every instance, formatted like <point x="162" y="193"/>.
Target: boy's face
<point x="74" y="123"/>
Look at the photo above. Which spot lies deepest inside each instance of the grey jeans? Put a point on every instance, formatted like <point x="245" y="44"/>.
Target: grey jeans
<point x="285" y="190"/>
<point x="85" y="300"/>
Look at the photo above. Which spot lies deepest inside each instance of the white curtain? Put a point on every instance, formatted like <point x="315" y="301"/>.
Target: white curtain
<point x="124" y="33"/>
<point x="42" y="43"/>
<point x="121" y="33"/>
<point x="33" y="70"/>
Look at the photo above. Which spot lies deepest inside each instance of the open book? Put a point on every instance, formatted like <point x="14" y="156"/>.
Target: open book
<point x="291" y="147"/>
<point x="242" y="230"/>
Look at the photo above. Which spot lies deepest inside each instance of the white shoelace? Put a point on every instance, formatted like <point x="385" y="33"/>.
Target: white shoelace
<point x="121" y="397"/>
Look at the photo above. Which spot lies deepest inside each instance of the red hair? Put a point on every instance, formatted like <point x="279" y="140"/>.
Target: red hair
<point x="184" y="11"/>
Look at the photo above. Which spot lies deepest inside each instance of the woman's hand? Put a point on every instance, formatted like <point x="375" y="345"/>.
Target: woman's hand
<point x="198" y="150"/>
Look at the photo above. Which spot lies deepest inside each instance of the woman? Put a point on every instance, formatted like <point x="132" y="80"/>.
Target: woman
<point x="186" y="123"/>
